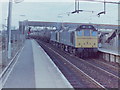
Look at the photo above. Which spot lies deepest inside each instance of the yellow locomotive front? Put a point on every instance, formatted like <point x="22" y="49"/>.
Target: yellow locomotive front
<point x="86" y="39"/>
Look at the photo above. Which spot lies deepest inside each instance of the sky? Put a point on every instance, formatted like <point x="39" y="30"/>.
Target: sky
<point x="57" y="11"/>
<point x="57" y="0"/>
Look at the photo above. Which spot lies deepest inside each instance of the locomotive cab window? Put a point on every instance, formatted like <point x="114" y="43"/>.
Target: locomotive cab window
<point x="86" y="32"/>
<point x="80" y="33"/>
<point x="94" y="33"/>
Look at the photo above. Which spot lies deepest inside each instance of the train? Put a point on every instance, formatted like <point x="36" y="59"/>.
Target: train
<point x="81" y="41"/>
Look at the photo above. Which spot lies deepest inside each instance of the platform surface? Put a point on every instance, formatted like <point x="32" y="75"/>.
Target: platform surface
<point x="35" y="69"/>
<point x="115" y="52"/>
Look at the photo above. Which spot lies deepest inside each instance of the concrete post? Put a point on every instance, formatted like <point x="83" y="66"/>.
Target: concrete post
<point x="119" y="29"/>
<point x="9" y="28"/>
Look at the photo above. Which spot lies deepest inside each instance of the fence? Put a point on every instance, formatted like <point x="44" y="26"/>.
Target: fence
<point x="17" y="41"/>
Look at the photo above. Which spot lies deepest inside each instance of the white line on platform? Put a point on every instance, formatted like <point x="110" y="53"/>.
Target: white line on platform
<point x="3" y="83"/>
<point x="63" y="77"/>
<point x="8" y="65"/>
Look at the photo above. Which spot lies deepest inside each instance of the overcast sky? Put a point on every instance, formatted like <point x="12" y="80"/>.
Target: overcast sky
<point x="55" y="10"/>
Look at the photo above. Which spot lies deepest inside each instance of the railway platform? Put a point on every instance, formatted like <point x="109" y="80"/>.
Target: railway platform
<point x="109" y="55"/>
<point x="33" y="68"/>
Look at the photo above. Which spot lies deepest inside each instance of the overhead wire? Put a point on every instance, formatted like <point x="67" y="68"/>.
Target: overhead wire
<point x="64" y="12"/>
<point x="77" y="4"/>
<point x="112" y="2"/>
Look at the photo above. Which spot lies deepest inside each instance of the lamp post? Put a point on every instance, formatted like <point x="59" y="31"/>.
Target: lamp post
<point x="119" y="30"/>
<point x="9" y="28"/>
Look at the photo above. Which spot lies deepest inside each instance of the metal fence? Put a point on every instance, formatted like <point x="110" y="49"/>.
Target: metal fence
<point x="17" y="41"/>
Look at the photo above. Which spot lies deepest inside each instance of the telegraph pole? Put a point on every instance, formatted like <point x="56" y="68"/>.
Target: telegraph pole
<point x="9" y="28"/>
<point x="119" y="29"/>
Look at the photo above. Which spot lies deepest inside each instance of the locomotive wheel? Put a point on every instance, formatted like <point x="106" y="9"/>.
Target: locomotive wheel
<point x="70" y="50"/>
<point x="66" y="48"/>
<point x="74" y="51"/>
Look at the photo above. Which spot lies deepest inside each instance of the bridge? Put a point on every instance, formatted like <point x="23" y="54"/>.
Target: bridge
<point x="66" y="24"/>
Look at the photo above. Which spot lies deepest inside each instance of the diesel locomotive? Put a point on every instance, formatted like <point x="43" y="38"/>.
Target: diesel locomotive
<point x="82" y="41"/>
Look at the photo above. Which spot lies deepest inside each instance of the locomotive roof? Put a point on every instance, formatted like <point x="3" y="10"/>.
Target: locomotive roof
<point x="77" y="28"/>
<point x="86" y="27"/>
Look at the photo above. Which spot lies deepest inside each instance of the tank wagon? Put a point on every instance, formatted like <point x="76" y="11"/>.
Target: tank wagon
<point x="43" y="35"/>
<point x="82" y="41"/>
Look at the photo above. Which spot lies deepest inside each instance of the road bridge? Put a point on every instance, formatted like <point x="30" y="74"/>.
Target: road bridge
<point x="65" y="24"/>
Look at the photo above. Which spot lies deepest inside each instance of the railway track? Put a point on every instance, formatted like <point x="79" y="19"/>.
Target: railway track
<point x="108" y="64"/>
<point x="75" y="76"/>
<point x="101" y="76"/>
<point x="112" y="70"/>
